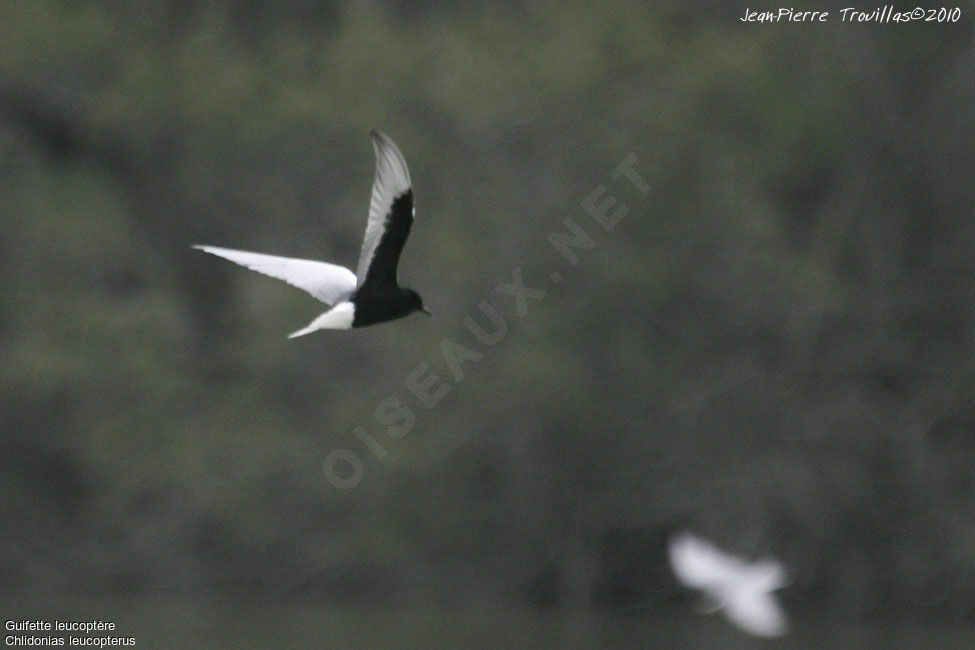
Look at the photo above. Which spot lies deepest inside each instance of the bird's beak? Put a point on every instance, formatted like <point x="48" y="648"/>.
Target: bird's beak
<point x="424" y="310"/>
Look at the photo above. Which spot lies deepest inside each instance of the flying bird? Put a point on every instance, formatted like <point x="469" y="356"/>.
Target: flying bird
<point x="372" y="294"/>
<point x="742" y="591"/>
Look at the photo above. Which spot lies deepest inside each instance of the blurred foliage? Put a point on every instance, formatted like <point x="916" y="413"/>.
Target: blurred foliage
<point x="773" y="346"/>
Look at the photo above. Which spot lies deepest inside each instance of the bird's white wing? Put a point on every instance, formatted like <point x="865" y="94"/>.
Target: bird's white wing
<point x="392" y="180"/>
<point x="329" y="283"/>
<point x="757" y="612"/>
<point x="700" y="565"/>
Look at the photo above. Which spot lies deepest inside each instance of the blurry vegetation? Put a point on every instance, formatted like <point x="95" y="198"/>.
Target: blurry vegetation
<point x="774" y="346"/>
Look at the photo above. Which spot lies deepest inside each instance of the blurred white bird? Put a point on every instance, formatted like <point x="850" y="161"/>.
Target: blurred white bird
<point x="742" y="591"/>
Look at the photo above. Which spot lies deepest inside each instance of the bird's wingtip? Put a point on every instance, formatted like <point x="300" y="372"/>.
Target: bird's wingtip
<point x="379" y="138"/>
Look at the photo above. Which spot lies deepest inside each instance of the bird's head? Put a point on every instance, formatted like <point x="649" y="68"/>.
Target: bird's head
<point x="416" y="302"/>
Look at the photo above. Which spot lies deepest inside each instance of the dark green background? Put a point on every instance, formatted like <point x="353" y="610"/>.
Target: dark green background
<point x="773" y="347"/>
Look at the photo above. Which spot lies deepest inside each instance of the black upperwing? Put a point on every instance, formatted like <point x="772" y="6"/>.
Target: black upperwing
<point x="396" y="228"/>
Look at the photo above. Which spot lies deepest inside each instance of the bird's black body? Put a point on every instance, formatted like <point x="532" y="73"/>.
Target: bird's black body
<point x="388" y="303"/>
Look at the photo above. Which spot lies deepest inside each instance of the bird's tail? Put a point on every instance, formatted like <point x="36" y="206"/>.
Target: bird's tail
<point x="339" y="317"/>
<point x="305" y="330"/>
